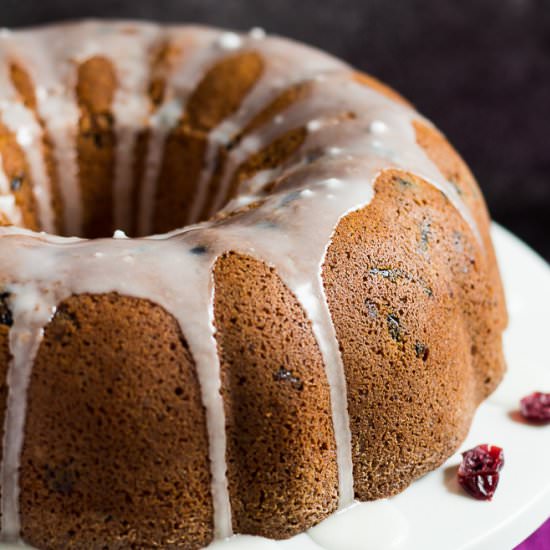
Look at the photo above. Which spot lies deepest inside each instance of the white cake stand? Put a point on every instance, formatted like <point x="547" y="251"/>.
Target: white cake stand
<point x="434" y="513"/>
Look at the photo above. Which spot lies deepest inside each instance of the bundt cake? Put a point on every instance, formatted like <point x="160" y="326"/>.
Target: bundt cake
<point x="321" y="328"/>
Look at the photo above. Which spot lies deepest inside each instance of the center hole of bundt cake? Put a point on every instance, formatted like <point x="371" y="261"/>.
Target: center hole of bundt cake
<point x="141" y="180"/>
<point x="141" y="173"/>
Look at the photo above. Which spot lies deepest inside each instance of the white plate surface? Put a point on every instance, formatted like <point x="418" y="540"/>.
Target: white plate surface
<point x="434" y="514"/>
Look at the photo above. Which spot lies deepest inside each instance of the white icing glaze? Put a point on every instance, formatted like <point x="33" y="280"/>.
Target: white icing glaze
<point x="257" y="33"/>
<point x="119" y="234"/>
<point x="331" y="175"/>
<point x="229" y="41"/>
<point x="7" y="200"/>
<point x="130" y="107"/>
<point x="30" y="314"/>
<point x="360" y="526"/>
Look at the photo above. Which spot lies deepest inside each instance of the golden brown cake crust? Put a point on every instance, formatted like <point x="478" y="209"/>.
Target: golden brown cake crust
<point x="96" y="144"/>
<point x="488" y="317"/>
<point x="408" y="318"/>
<point x="115" y="449"/>
<point x="281" y="452"/>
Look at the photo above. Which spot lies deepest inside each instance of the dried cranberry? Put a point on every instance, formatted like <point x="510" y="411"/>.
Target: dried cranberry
<point x="479" y="471"/>
<point x="536" y="407"/>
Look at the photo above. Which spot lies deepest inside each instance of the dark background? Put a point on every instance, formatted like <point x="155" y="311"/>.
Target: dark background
<point x="480" y="69"/>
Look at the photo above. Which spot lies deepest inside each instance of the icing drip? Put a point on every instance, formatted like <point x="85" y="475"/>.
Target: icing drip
<point x="30" y="313"/>
<point x="130" y="109"/>
<point x="161" y="124"/>
<point x="7" y="200"/>
<point x="332" y="174"/>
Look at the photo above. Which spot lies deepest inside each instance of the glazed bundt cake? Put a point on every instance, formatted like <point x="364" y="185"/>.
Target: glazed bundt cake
<point x="320" y="330"/>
